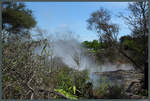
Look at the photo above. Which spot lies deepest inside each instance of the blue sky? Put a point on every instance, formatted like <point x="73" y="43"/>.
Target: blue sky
<point x="72" y="16"/>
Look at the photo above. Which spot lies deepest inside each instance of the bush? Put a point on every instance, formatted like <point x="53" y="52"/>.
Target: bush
<point x="19" y="68"/>
<point x="71" y="80"/>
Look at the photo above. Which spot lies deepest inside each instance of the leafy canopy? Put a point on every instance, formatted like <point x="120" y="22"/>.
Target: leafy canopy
<point x="16" y="18"/>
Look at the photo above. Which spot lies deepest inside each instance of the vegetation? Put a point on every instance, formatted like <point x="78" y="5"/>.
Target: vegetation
<point x="13" y="14"/>
<point x="133" y="47"/>
<point x="26" y="75"/>
<point x="91" y="45"/>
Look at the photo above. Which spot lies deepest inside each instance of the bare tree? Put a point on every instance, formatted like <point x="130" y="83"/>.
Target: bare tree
<point x="100" y="21"/>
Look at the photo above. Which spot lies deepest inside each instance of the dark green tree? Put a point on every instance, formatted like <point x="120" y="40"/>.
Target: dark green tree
<point x="95" y="44"/>
<point x="87" y="44"/>
<point x="16" y="18"/>
<point x="91" y="44"/>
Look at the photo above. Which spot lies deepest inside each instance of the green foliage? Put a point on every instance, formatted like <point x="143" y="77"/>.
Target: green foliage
<point x="143" y="93"/>
<point x="103" y="87"/>
<point x="71" y="81"/>
<point x="87" y="44"/>
<point x="63" y="79"/>
<point x="20" y="65"/>
<point x="95" y="44"/>
<point x="134" y="47"/>
<point x="130" y="43"/>
<point x="16" y="18"/>
<point x="123" y="38"/>
<point x="91" y="45"/>
<point x="66" y="94"/>
<point x="74" y="89"/>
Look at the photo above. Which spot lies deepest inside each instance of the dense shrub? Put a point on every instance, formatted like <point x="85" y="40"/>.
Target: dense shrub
<point x="72" y="81"/>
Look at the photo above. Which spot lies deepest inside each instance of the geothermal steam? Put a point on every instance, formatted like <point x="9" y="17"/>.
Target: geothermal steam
<point x="69" y="49"/>
<point x="71" y="52"/>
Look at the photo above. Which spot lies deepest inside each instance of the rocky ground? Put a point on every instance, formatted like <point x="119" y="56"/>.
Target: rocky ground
<point x="130" y="79"/>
